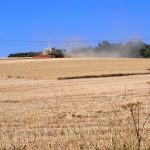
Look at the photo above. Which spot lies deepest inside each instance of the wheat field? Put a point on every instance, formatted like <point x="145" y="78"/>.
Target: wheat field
<point x="37" y="111"/>
<point x="54" y="68"/>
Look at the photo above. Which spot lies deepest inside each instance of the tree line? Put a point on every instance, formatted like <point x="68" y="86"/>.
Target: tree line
<point x="27" y="54"/>
<point x="132" y="49"/>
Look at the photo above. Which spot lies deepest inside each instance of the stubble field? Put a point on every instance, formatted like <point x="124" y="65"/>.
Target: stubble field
<point x="37" y="111"/>
<point x="54" y="68"/>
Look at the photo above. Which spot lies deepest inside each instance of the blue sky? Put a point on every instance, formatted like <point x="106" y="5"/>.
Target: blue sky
<point x="24" y="24"/>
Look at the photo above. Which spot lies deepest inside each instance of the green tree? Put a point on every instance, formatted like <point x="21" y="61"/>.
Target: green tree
<point x="145" y="52"/>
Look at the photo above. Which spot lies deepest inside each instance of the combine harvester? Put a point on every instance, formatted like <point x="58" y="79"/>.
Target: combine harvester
<point x="51" y="53"/>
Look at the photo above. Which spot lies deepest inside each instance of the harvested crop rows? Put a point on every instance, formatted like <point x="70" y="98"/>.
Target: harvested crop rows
<point x="55" y="68"/>
<point x="73" y="114"/>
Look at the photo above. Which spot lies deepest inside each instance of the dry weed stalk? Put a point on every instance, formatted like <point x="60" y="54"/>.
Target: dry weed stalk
<point x="138" y="126"/>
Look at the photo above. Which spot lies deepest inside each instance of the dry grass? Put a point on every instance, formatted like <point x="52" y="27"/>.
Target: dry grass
<point x="83" y="114"/>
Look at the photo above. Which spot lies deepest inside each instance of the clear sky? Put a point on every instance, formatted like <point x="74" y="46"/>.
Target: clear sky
<point x="27" y="25"/>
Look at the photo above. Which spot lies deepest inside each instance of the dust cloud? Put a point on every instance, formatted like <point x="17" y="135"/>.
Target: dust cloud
<point x="105" y="49"/>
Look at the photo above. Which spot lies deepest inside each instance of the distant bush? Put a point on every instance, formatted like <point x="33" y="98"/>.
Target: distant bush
<point x="145" y="52"/>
